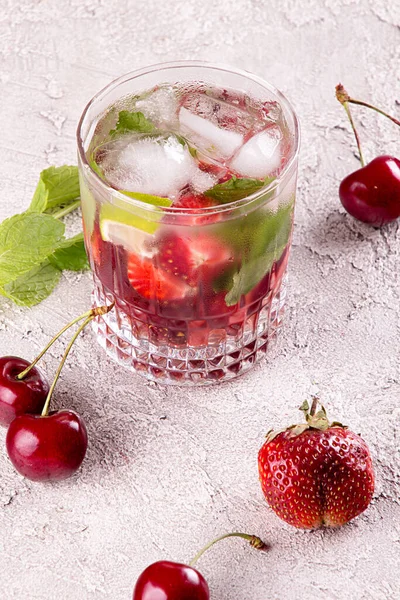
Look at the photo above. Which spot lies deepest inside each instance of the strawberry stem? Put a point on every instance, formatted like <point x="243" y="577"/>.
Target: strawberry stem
<point x="314" y="406"/>
<point x="95" y="312"/>
<point x="344" y="99"/>
<point x="253" y="540"/>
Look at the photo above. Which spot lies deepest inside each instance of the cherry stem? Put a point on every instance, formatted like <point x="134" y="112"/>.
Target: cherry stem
<point x="64" y="358"/>
<point x="66" y="210"/>
<point x="344" y="99"/>
<point x="54" y="339"/>
<point x="378" y="110"/>
<point x="254" y="541"/>
<point x="95" y="312"/>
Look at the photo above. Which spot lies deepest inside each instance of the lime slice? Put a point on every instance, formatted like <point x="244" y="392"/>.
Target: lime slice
<point x="120" y="234"/>
<point x="130" y="229"/>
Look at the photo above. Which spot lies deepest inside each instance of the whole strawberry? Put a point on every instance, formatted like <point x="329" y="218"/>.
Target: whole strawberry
<point x="317" y="473"/>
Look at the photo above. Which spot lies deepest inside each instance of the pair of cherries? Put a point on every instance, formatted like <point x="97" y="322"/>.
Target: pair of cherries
<point x="42" y="445"/>
<point x="371" y="194"/>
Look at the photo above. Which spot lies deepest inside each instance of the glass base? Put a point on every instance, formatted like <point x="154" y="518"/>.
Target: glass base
<point x="223" y="354"/>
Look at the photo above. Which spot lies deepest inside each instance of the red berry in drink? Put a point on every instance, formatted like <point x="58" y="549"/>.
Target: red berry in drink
<point x="195" y="202"/>
<point x="47" y="448"/>
<point x="152" y="282"/>
<point x="20" y="396"/>
<point x="372" y="194"/>
<point x="194" y="205"/>
<point x="317" y="473"/>
<point x="197" y="259"/>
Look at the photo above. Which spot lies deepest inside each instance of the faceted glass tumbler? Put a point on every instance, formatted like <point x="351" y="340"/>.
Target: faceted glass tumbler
<point x="210" y="335"/>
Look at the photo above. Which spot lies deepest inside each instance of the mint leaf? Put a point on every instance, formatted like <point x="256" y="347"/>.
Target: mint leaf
<point x="98" y="170"/>
<point x="236" y="189"/>
<point x="132" y="121"/>
<point x="26" y="240"/>
<point x="264" y="237"/>
<point x="34" y="286"/>
<point x="70" y="255"/>
<point x="247" y="278"/>
<point x="57" y="186"/>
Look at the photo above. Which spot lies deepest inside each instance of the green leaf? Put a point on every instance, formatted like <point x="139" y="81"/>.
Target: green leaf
<point x="71" y="255"/>
<point x="247" y="278"/>
<point x="95" y="167"/>
<point x="34" y="286"/>
<point x="236" y="189"/>
<point x="183" y="141"/>
<point x="262" y="240"/>
<point x="57" y="186"/>
<point x="26" y="240"/>
<point x="132" y="121"/>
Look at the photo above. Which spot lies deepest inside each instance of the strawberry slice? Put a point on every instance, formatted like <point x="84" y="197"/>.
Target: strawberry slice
<point x="152" y="282"/>
<point x="194" y="201"/>
<point x="197" y="259"/>
<point x="194" y="204"/>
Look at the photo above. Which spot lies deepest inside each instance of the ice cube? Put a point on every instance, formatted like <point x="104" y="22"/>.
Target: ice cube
<point x="223" y="112"/>
<point x="158" y="165"/>
<point x="202" y="181"/>
<point x="208" y="136"/>
<point x="260" y="156"/>
<point x="161" y="106"/>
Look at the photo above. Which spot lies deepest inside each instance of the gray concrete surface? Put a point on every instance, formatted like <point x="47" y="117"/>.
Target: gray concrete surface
<point x="167" y="469"/>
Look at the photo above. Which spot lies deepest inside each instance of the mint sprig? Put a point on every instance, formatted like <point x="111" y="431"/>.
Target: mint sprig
<point x="259" y="239"/>
<point x="26" y="240"/>
<point x="132" y="121"/>
<point x="34" y="286"/>
<point x="70" y="255"/>
<point x="57" y="186"/>
<point x="33" y="248"/>
<point x="236" y="188"/>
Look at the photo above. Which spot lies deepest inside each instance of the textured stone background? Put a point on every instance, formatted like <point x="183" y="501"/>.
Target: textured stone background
<point x="167" y="469"/>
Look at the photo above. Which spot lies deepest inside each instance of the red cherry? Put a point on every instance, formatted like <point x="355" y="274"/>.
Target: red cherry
<point x="372" y="194"/>
<point x="47" y="448"/>
<point x="20" y="396"/>
<point x="166" y="580"/>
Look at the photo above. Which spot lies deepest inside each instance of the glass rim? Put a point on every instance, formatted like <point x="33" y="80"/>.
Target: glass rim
<point x="165" y="66"/>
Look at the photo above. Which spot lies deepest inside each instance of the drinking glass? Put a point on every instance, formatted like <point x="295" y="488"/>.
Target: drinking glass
<point x="211" y="335"/>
